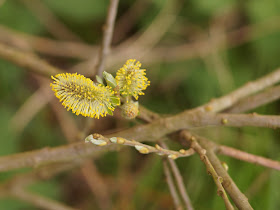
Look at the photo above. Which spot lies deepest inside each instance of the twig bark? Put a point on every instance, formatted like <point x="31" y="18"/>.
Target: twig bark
<point x="179" y="181"/>
<point x="108" y="34"/>
<point x="241" y="155"/>
<point x="217" y="105"/>
<point x="171" y="186"/>
<point x="252" y="102"/>
<point x="61" y="154"/>
<point x="237" y="196"/>
<point x="142" y="148"/>
<point x="210" y="169"/>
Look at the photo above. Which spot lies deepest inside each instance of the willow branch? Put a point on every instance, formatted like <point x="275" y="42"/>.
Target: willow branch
<point x="232" y="120"/>
<point x="193" y="119"/>
<point x="179" y="181"/>
<point x="61" y="154"/>
<point x="108" y="34"/>
<point x="241" y="155"/>
<point x="171" y="186"/>
<point x="217" y="105"/>
<point x="237" y="196"/>
<point x="255" y="101"/>
<point x="142" y="148"/>
<point x="210" y="169"/>
<point x="149" y="116"/>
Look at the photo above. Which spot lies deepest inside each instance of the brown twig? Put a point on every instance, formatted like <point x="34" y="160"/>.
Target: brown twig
<point x="149" y="116"/>
<point x="252" y="102"/>
<point x="237" y="196"/>
<point x="61" y="154"/>
<point x="107" y="37"/>
<point x="171" y="186"/>
<point x="210" y="169"/>
<point x="179" y="181"/>
<point x="241" y="155"/>
<point x="100" y="140"/>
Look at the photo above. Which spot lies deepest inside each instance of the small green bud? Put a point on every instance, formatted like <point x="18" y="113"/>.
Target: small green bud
<point x="110" y="79"/>
<point x="99" y="80"/>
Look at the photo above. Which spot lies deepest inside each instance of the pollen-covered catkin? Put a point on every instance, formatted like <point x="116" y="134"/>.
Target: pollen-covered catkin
<point x="82" y="95"/>
<point x="131" y="80"/>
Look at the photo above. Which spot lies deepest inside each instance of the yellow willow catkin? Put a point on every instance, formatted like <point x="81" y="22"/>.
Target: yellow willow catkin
<point x="131" y="80"/>
<point x="82" y="95"/>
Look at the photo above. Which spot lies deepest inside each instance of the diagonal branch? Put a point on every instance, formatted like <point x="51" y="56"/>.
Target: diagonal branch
<point x="210" y="169"/>
<point x="256" y="101"/>
<point x="237" y="196"/>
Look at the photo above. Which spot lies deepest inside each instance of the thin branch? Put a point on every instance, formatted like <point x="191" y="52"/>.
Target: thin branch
<point x="61" y="154"/>
<point x="210" y="169"/>
<point x="108" y="34"/>
<point x="171" y="186"/>
<point x="238" y="154"/>
<point x="237" y="196"/>
<point x="255" y="101"/>
<point x="194" y="119"/>
<point x="142" y="148"/>
<point x="179" y="181"/>
<point x="246" y="90"/>
<point x="231" y="120"/>
<point x="149" y="116"/>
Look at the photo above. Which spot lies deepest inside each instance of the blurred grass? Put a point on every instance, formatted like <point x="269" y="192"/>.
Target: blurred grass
<point x="174" y="87"/>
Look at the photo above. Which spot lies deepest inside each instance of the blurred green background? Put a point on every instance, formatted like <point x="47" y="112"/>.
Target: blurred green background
<point x="178" y="82"/>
